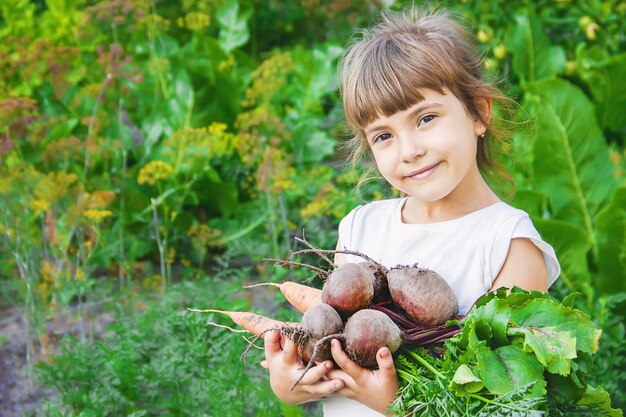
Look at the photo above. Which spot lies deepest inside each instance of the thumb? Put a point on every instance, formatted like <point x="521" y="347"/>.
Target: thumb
<point x="385" y="362"/>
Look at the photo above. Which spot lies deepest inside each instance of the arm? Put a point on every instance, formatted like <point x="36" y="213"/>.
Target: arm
<point x="524" y="267"/>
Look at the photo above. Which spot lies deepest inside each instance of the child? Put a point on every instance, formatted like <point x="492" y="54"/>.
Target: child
<point x="416" y="100"/>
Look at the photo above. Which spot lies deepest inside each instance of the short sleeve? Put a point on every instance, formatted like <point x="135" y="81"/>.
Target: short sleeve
<point x="518" y="226"/>
<point x="345" y="228"/>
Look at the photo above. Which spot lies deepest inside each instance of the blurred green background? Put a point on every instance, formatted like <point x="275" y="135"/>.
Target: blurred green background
<point x="153" y="152"/>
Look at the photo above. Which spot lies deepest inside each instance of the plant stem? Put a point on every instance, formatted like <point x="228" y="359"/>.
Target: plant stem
<point x="488" y="401"/>
<point x="122" y="252"/>
<point x="157" y="235"/>
<point x="426" y="365"/>
<point x="107" y="81"/>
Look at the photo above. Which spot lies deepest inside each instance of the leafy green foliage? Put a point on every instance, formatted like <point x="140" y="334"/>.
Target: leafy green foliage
<point x="543" y="359"/>
<point x="162" y="360"/>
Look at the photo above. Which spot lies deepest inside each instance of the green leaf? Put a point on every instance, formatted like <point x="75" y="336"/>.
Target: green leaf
<point x="155" y="126"/>
<point x="509" y="368"/>
<point x="601" y="398"/>
<point x="166" y="46"/>
<point x="539" y="313"/>
<point x="56" y="7"/>
<point x="570" y="388"/>
<point x="532" y="202"/>
<point x="611" y="235"/>
<point x="553" y="348"/>
<point x="180" y="104"/>
<point x="233" y="26"/>
<point x="519" y="297"/>
<point x="218" y="195"/>
<point x="313" y="146"/>
<point x="492" y="320"/>
<point x="572" y="244"/>
<point x="605" y="77"/>
<point x="570" y="152"/>
<point x="464" y="381"/>
<point x="316" y="73"/>
<point x="533" y="56"/>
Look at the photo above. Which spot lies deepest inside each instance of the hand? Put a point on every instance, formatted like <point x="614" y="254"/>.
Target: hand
<point x="286" y="367"/>
<point x="375" y="389"/>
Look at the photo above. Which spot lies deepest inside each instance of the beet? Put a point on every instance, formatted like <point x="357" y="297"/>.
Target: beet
<point x="319" y="321"/>
<point x="381" y="288"/>
<point x="349" y="288"/>
<point x="366" y="332"/>
<point x="423" y="295"/>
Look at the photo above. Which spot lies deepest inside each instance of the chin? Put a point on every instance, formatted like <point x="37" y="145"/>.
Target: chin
<point x="428" y="196"/>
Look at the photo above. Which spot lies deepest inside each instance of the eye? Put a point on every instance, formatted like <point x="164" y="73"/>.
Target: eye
<point x="426" y="119"/>
<point x="381" y="138"/>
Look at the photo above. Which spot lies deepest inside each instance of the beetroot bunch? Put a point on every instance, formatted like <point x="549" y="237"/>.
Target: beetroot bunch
<point x="364" y="305"/>
<point x="367" y="306"/>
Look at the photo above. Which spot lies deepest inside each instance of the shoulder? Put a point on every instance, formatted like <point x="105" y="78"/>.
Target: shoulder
<point x="378" y="206"/>
<point x="372" y="209"/>
<point x="514" y="239"/>
<point x="367" y="220"/>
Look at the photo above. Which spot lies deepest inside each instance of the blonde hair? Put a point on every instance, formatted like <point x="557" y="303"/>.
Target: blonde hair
<point x="383" y="70"/>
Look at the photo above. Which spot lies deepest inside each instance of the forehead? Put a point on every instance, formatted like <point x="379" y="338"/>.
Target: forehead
<point x="431" y="99"/>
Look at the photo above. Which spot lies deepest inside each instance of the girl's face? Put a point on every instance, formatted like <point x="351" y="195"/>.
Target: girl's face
<point x="429" y="150"/>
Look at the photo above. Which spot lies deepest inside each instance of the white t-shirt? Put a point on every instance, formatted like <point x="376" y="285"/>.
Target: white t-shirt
<point x="468" y="252"/>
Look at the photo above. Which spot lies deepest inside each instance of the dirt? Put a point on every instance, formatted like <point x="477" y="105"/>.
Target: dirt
<point x="19" y="394"/>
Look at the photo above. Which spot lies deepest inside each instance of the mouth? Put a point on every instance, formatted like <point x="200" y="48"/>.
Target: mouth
<point x="423" y="172"/>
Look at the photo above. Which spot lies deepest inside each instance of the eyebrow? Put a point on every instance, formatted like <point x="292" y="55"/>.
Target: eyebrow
<point x="414" y="113"/>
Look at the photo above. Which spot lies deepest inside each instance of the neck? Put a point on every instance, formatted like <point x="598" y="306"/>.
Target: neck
<point x="471" y="195"/>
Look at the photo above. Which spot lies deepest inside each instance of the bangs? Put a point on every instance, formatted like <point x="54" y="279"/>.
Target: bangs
<point x="383" y="71"/>
<point x="388" y="79"/>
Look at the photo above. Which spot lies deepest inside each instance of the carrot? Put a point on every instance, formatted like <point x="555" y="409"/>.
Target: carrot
<point x="254" y="323"/>
<point x="302" y="297"/>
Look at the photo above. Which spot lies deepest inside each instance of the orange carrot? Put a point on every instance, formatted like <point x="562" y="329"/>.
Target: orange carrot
<point x="254" y="323"/>
<point x="302" y="297"/>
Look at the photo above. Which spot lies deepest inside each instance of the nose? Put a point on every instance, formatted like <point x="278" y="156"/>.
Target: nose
<point x="410" y="147"/>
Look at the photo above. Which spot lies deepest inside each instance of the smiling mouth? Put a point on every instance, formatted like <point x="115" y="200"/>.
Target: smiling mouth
<point x="424" y="172"/>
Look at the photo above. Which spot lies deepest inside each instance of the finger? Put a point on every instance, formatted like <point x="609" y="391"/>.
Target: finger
<point x="343" y="360"/>
<point x="385" y="363"/>
<point x="264" y="364"/>
<point x="316" y="372"/>
<point x="272" y="344"/>
<point x="290" y="351"/>
<point x="339" y="374"/>
<point x="326" y="388"/>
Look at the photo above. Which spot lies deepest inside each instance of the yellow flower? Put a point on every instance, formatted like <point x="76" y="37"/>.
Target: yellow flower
<point x="154" y="171"/>
<point x="97" y="216"/>
<point x="315" y="208"/>
<point x="194" y="21"/>
<point x="80" y="275"/>
<point x="101" y="198"/>
<point x="216" y="128"/>
<point x="39" y="205"/>
<point x="203" y="236"/>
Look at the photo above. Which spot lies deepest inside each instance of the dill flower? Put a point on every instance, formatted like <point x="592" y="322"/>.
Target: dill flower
<point x="39" y="205"/>
<point x="194" y="21"/>
<point x="154" y="171"/>
<point x="97" y="216"/>
<point x="79" y="275"/>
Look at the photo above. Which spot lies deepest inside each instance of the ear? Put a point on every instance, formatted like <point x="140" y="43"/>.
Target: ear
<point x="483" y="106"/>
